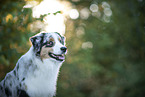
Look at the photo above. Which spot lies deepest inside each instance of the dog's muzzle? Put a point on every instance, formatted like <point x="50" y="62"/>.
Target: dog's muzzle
<point x="58" y="57"/>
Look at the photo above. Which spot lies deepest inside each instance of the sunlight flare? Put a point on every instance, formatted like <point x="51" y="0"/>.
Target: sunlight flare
<point x="53" y="22"/>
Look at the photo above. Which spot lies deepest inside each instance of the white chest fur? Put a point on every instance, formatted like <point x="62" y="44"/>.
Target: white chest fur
<point x="42" y="81"/>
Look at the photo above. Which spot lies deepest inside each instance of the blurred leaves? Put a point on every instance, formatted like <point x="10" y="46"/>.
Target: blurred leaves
<point x="14" y="32"/>
<point x="114" y="66"/>
<point x="44" y="15"/>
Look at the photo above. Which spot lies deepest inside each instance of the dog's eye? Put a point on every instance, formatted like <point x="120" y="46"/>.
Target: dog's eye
<point x="50" y="44"/>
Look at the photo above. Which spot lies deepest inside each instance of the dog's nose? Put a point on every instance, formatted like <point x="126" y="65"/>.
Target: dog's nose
<point x="63" y="49"/>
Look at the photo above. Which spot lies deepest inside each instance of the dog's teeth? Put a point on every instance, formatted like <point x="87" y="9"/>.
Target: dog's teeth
<point x="58" y="57"/>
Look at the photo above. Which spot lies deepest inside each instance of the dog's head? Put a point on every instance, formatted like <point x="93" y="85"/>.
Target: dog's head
<point x="49" y="45"/>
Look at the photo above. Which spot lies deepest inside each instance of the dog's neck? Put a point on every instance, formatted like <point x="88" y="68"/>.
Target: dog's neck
<point x="47" y="67"/>
<point x="44" y="77"/>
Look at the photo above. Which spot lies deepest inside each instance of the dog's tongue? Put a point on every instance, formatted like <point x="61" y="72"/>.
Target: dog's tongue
<point x="60" y="57"/>
<point x="57" y="57"/>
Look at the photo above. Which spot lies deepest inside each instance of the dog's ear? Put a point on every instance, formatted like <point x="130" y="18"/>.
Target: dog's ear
<point x="32" y="39"/>
<point x="37" y="42"/>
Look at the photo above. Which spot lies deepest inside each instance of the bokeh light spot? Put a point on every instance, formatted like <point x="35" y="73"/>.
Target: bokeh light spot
<point x="74" y="14"/>
<point x="94" y="7"/>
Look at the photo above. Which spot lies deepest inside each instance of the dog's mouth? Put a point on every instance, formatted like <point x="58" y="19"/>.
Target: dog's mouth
<point x="57" y="57"/>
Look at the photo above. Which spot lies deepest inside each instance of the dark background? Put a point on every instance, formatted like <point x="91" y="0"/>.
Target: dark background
<point x="106" y="54"/>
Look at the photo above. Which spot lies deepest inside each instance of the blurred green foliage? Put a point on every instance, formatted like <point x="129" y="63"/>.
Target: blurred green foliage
<point x="105" y="54"/>
<point x="14" y="33"/>
<point x="114" y="67"/>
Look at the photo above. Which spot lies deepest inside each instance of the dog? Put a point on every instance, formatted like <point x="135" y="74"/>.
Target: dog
<point x="36" y="72"/>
